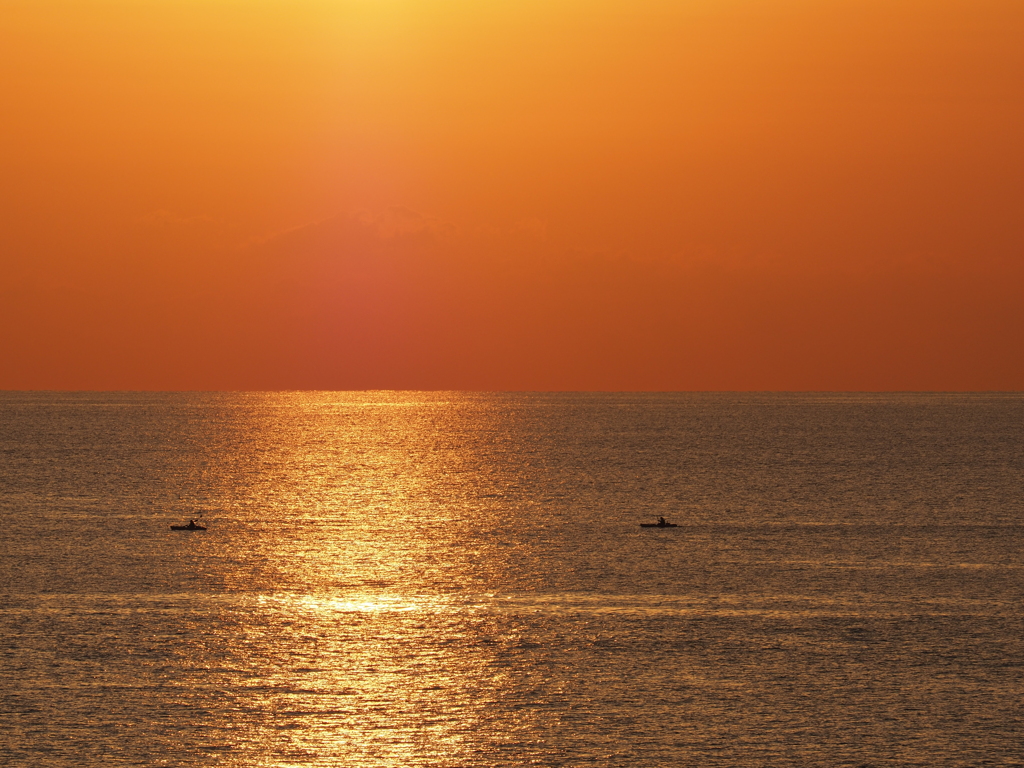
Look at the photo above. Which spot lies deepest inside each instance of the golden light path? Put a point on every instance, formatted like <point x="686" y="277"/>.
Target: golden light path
<point x="362" y="546"/>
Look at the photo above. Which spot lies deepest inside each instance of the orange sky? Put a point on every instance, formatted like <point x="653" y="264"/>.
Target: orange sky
<point x="455" y="194"/>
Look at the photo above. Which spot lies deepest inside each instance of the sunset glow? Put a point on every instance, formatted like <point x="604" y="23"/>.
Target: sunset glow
<point x="451" y="194"/>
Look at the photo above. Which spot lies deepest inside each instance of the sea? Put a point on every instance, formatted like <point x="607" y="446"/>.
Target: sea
<point x="461" y="579"/>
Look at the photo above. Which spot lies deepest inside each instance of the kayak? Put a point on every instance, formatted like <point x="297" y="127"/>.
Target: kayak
<point x="189" y="527"/>
<point x="658" y="525"/>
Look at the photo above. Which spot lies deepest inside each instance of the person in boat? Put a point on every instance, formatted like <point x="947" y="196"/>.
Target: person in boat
<point x="661" y="522"/>
<point x="191" y="523"/>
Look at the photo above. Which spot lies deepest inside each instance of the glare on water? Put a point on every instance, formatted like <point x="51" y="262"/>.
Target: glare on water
<point x="447" y="579"/>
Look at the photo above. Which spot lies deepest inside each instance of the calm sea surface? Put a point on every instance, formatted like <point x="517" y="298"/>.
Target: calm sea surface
<point x="450" y="579"/>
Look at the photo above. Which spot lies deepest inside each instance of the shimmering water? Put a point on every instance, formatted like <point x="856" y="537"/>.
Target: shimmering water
<point x="441" y="579"/>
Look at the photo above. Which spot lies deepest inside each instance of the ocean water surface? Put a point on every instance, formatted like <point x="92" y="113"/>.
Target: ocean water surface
<point x="453" y="579"/>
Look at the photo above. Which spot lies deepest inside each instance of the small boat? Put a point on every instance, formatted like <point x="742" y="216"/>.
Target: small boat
<point x="190" y="527"/>
<point x="660" y="524"/>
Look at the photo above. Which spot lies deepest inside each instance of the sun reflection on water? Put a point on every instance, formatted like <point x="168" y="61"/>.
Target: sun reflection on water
<point x="363" y="539"/>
